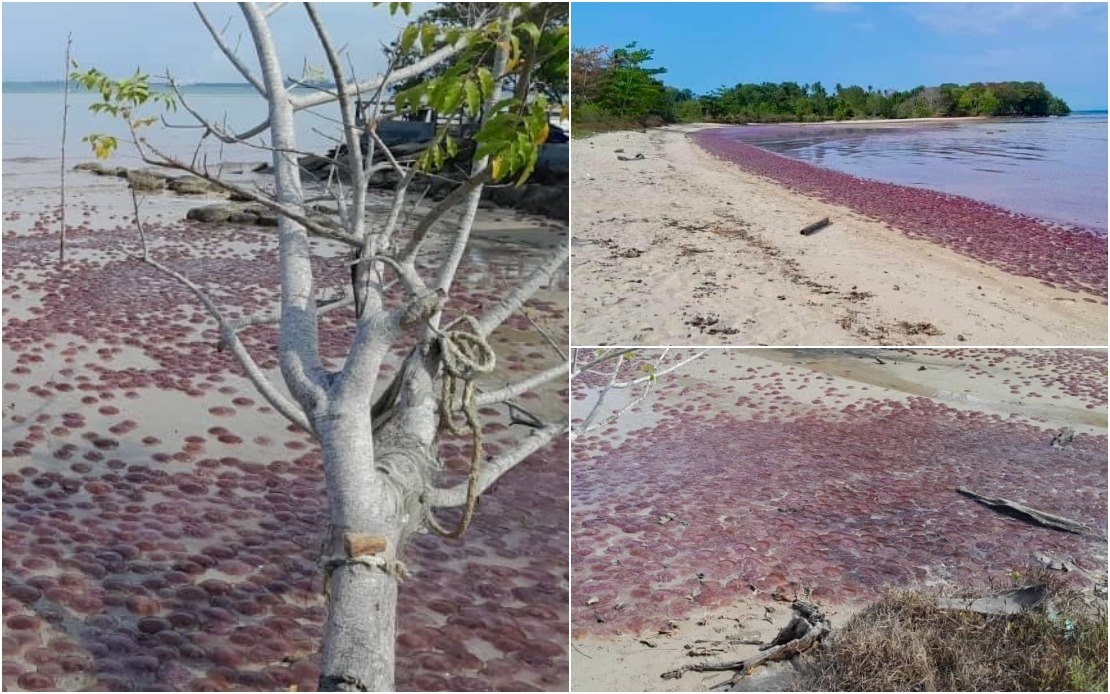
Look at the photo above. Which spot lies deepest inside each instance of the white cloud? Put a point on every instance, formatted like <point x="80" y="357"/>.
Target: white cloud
<point x="836" y="7"/>
<point x="988" y="18"/>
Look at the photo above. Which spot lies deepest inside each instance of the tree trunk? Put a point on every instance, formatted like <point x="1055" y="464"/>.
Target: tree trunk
<point x="361" y="587"/>
<point x="375" y="477"/>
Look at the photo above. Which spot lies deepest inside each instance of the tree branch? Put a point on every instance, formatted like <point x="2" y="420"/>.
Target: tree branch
<point x="540" y="276"/>
<point x="494" y="469"/>
<point x="231" y="55"/>
<point x="228" y="335"/>
<point x="522" y="386"/>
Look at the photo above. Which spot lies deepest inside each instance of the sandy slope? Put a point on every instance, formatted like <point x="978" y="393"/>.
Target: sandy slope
<point x="678" y="236"/>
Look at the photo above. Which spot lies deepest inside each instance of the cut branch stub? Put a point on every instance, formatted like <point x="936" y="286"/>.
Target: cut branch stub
<point x="361" y="545"/>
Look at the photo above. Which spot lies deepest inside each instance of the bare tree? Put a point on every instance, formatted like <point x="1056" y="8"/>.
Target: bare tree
<point x="605" y="367"/>
<point x="381" y="457"/>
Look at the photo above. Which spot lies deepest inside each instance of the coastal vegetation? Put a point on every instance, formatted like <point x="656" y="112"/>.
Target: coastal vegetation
<point x="387" y="468"/>
<point x="907" y="641"/>
<point x="614" y="88"/>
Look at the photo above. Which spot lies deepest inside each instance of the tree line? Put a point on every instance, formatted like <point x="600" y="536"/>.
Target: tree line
<point x="615" y="86"/>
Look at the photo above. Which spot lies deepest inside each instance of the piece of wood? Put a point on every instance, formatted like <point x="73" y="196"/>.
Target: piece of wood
<point x="745" y="667"/>
<point x="1026" y="513"/>
<point x="361" y="545"/>
<point x="815" y="227"/>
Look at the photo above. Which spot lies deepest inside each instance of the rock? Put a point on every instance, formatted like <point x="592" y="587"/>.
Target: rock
<point x="190" y="185"/>
<point x="211" y="214"/>
<point x="95" y="167"/>
<point x="146" y="180"/>
<point x="251" y="214"/>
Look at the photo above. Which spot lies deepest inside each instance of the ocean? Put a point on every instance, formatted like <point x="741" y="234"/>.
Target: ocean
<point x="1051" y="168"/>
<point x="32" y="124"/>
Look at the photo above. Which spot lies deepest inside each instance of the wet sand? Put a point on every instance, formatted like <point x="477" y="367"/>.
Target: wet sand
<point x="162" y="524"/>
<point x="684" y="248"/>
<point x="822" y="473"/>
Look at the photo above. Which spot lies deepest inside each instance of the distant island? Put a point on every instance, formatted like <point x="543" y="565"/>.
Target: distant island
<point x="807" y="103"/>
<point x="613" y="87"/>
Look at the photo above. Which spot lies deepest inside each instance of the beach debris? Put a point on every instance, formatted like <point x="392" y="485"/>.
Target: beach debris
<point x="921" y="328"/>
<point x="666" y="518"/>
<point x="1063" y="437"/>
<point x="879" y="361"/>
<point x="707" y="324"/>
<point x="1065" y="565"/>
<point x="631" y="253"/>
<point x="815" y="227"/>
<point x="921" y="368"/>
<point x="1026" y="513"/>
<point x="639" y="157"/>
<point x="1006" y="602"/>
<point x="592" y="601"/>
<point x="806" y="629"/>
<point x="961" y="338"/>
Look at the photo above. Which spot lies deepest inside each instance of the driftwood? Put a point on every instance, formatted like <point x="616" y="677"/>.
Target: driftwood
<point x="796" y="637"/>
<point x="1025" y="513"/>
<point x="815" y="227"/>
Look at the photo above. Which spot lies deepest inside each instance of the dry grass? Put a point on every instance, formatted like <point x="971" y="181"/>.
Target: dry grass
<point x="905" y="643"/>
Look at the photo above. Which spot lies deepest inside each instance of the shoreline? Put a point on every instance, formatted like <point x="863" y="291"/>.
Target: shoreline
<point x="682" y="247"/>
<point x="979" y="230"/>
<point x="129" y="438"/>
<point x="822" y="473"/>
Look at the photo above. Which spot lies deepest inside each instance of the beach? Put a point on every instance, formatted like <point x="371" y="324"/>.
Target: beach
<point x="162" y="524"/>
<point x="751" y="477"/>
<point x="681" y="247"/>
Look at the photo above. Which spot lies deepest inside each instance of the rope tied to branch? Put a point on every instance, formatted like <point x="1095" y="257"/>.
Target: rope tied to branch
<point x="393" y="567"/>
<point x="467" y="355"/>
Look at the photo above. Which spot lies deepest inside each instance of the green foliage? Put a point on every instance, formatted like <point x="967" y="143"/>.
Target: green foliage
<point x="614" y="86"/>
<point x="513" y="128"/>
<point x="120" y="99"/>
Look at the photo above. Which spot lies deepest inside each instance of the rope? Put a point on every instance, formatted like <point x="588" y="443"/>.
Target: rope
<point x="466" y="355"/>
<point x="394" y="567"/>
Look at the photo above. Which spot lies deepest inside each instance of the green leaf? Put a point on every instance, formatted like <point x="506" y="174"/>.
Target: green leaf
<point x="428" y="33"/>
<point x="452" y="146"/>
<point x="452" y="97"/>
<point x="532" y="30"/>
<point x="473" y="98"/>
<point x="408" y="37"/>
<point x="486" y="80"/>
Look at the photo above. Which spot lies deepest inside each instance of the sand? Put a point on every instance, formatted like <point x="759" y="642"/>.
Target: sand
<point x="822" y="473"/>
<point x="162" y="524"/>
<point x="683" y="249"/>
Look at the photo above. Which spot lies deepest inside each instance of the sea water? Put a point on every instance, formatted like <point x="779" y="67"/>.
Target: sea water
<point x="32" y="124"/>
<point x="1052" y="168"/>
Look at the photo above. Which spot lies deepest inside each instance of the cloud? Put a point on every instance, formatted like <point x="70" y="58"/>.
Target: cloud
<point x="989" y="18"/>
<point x="836" y="7"/>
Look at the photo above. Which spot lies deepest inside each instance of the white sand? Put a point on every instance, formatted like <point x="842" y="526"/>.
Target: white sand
<point x="681" y="234"/>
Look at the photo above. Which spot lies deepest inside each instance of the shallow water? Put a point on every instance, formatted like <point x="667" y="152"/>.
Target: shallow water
<point x="1052" y="168"/>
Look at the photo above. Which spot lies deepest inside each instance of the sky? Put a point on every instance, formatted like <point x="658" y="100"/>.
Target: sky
<point x="120" y="37"/>
<point x="884" y="45"/>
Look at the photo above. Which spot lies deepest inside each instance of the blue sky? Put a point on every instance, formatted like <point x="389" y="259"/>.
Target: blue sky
<point x="118" y="37"/>
<point x="885" y="45"/>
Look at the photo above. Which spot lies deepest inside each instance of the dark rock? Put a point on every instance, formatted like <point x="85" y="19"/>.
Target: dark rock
<point x="190" y="185"/>
<point x="146" y="180"/>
